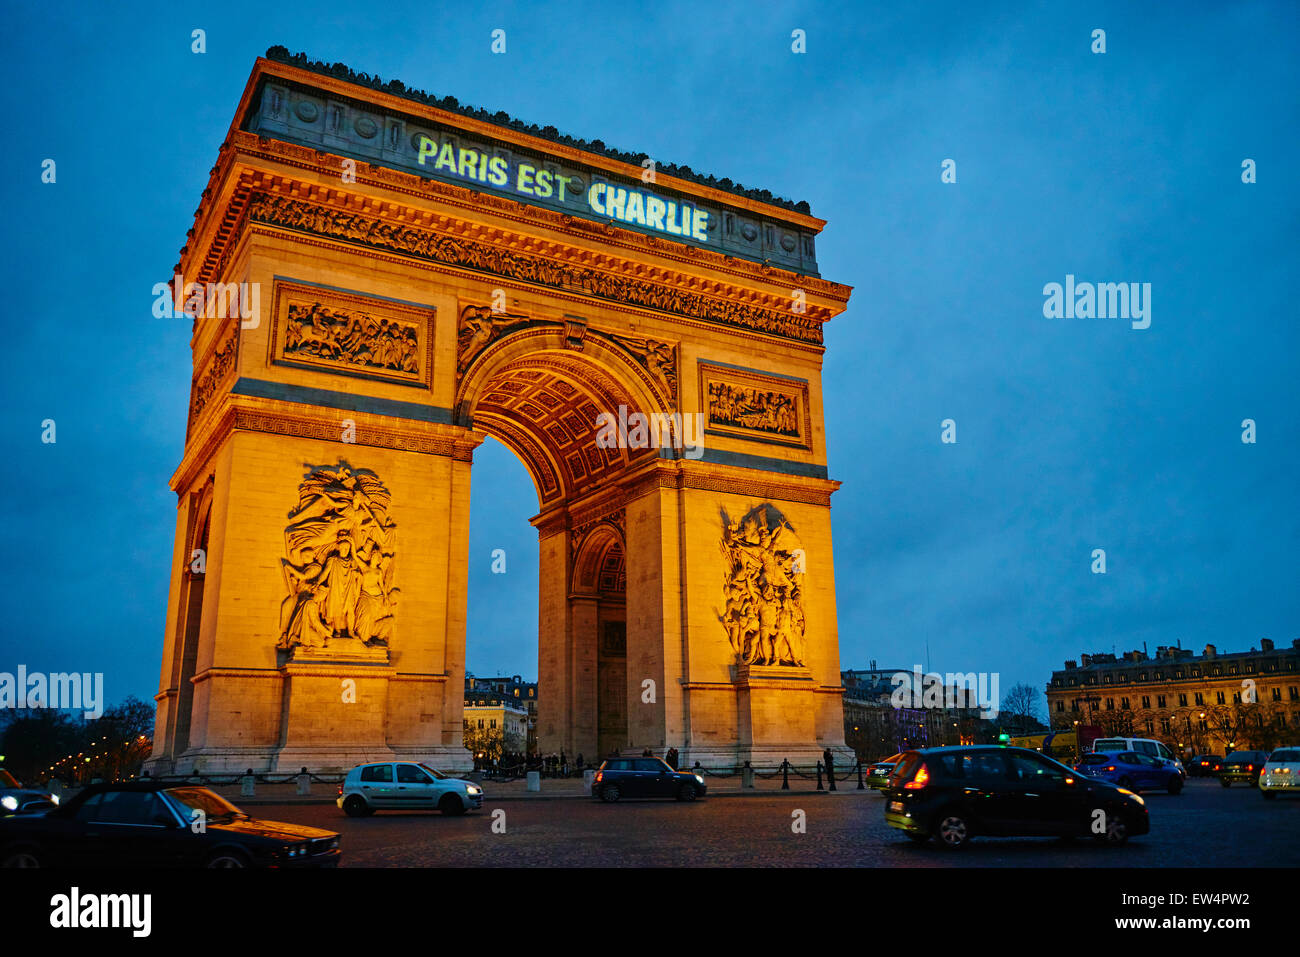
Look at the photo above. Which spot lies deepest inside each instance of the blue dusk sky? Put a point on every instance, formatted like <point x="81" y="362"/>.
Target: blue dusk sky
<point x="1072" y="433"/>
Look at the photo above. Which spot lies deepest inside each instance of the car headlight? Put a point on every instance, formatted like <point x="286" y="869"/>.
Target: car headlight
<point x="699" y="778"/>
<point x="54" y="799"/>
<point x="473" y="789"/>
<point x="10" y="802"/>
<point x="1133" y="795"/>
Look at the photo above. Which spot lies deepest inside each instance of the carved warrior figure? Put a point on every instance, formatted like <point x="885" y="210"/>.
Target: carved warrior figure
<point x="659" y="359"/>
<point x="764" y="617"/>
<point x="479" y="326"/>
<point x="339" y="569"/>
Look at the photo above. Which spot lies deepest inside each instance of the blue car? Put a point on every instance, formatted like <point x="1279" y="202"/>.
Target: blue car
<point x="1129" y="769"/>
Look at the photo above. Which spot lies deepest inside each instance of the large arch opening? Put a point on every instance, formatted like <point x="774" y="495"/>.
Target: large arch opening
<point x="544" y="405"/>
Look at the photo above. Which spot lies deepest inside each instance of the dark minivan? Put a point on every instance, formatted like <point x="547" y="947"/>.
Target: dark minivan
<point x="644" y="778"/>
<point x="954" y="793"/>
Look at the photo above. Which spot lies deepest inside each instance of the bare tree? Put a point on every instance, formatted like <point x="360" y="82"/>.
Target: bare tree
<point x="1020" y="703"/>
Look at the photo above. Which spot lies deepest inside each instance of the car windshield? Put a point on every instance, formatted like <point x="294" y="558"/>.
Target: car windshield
<point x="1095" y="759"/>
<point x="437" y="775"/>
<point x="212" y="804"/>
<point x="1241" y="756"/>
<point x="1285" y="754"/>
<point x="7" y="780"/>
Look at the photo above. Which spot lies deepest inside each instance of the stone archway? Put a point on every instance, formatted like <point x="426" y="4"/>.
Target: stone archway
<point x="354" y="341"/>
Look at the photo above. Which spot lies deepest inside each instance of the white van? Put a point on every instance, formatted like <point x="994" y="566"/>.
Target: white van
<point x="1147" y="746"/>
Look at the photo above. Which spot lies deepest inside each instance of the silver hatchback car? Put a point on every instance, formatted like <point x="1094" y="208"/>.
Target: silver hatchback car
<point x="404" y="785"/>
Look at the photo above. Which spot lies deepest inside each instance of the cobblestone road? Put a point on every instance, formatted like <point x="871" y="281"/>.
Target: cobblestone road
<point x="1205" y="826"/>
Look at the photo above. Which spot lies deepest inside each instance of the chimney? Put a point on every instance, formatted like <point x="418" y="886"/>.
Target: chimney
<point x="1209" y="651"/>
<point x="1070" y="665"/>
<point x="1086" y="659"/>
<point x="1266" y="644"/>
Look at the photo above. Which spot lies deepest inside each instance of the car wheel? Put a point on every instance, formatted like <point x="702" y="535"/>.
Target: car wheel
<point x="356" y="806"/>
<point x="953" y="830"/>
<point x="1175" y="785"/>
<point x="451" y="805"/>
<point x="1116" y="830"/>
<point x="609" y="793"/>
<point x="30" y="857"/>
<point x="687" y="793"/>
<point x="918" y="838"/>
<point x="1225" y="783"/>
<point x="1268" y="795"/>
<point x="231" y="859"/>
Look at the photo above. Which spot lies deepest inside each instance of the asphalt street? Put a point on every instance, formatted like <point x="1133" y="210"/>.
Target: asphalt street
<point x="1205" y="826"/>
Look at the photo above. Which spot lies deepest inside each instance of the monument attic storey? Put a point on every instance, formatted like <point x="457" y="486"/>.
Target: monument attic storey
<point x="428" y="275"/>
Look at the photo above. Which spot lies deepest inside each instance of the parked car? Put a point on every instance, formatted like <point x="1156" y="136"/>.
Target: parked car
<point x="1129" y="769"/>
<point x="878" y="773"/>
<point x="405" y="786"/>
<point x="1242" y="766"/>
<point x="954" y="793"/>
<point x="1147" y="746"/>
<point x="16" y="799"/>
<point x="1204" y="765"/>
<point x="151" y="824"/>
<point x="1281" y="773"/>
<point x="645" y="778"/>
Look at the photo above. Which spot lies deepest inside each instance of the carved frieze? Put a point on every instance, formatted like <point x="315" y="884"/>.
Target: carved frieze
<point x="479" y="328"/>
<point x="763" y="588"/>
<point x="753" y="405"/>
<point x="350" y="334"/>
<point x="214" y="374"/>
<point x="338" y="568"/>
<point x="504" y="261"/>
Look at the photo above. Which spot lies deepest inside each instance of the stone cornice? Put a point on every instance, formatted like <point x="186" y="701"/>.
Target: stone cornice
<point x="214" y="237"/>
<point x="251" y="414"/>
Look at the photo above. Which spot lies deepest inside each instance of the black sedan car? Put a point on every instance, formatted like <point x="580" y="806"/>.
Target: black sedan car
<point x="1242" y="767"/>
<point x="151" y="824"/>
<point x="644" y="778"/>
<point x="955" y="793"/>
<point x="1204" y="765"/>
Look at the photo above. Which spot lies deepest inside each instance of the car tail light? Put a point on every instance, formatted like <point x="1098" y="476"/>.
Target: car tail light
<point x="599" y="775"/>
<point x="1250" y="767"/>
<point x="340" y="790"/>
<point x="921" y="780"/>
<point x="1110" y="767"/>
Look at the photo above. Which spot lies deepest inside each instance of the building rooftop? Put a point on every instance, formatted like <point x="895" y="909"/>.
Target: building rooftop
<point x="500" y="118"/>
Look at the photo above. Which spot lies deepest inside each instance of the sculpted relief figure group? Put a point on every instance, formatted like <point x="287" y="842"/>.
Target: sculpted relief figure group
<point x="764" y="617"/>
<point x="326" y="333"/>
<point x="755" y="409"/>
<point x="339" y="569"/>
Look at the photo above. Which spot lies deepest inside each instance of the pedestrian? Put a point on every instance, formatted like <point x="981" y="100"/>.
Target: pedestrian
<point x="828" y="759"/>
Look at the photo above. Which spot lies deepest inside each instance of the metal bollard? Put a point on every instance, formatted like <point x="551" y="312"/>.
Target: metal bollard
<point x="785" y="774"/>
<point x="861" y="786"/>
<point x="819" y="777"/>
<point x="747" y="776"/>
<point x="248" y="784"/>
<point x="304" y="782"/>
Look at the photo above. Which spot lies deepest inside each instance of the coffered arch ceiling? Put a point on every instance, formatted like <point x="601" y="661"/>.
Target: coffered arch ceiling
<point x="544" y="407"/>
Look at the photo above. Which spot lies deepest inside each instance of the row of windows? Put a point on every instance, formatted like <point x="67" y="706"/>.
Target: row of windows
<point x="1199" y="696"/>
<point x="1215" y="671"/>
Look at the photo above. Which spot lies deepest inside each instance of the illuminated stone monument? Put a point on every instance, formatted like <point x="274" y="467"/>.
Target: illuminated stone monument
<point x="402" y="276"/>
